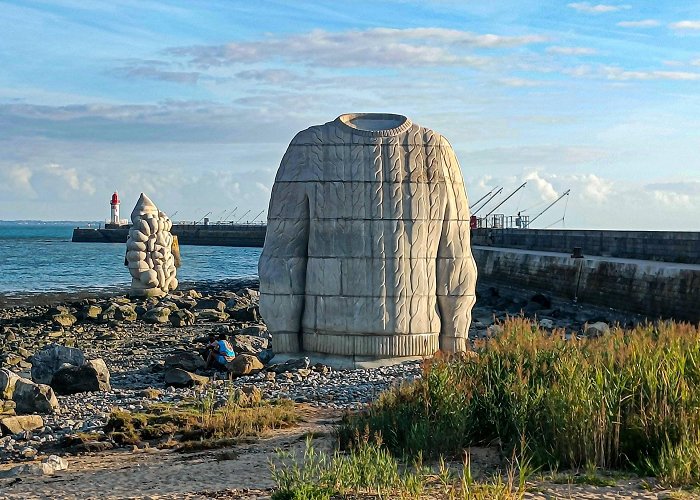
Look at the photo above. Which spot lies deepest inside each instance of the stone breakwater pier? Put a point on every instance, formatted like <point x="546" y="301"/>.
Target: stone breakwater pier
<point x="231" y="235"/>
<point x="682" y="247"/>
<point x="655" y="273"/>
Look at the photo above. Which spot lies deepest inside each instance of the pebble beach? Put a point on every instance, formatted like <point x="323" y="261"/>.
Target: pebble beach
<point x="138" y="340"/>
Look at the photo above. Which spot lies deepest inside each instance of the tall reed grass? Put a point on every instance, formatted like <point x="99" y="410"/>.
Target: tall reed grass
<point x="627" y="400"/>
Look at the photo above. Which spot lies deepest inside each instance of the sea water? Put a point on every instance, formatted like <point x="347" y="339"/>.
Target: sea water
<point x="40" y="257"/>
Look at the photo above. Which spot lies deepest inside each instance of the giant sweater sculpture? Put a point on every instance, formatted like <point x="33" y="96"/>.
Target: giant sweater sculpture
<point x="367" y="252"/>
<point x="149" y="251"/>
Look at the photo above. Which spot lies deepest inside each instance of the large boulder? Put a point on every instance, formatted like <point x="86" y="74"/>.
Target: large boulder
<point x="118" y="311"/>
<point x="7" y="408"/>
<point x="212" y="315"/>
<point x="177" y="377"/>
<point x="182" y="302"/>
<point x="235" y="302"/>
<point x="266" y="355"/>
<point x="64" y="319"/>
<point x="46" y="468"/>
<point x="125" y="312"/>
<point x="8" y="380"/>
<point x="210" y="304"/>
<point x="546" y="323"/>
<point x="244" y="364"/>
<point x="257" y="342"/>
<point x="255" y="330"/>
<point x="33" y="398"/>
<point x="92" y="312"/>
<point x="93" y="376"/>
<point x="249" y="344"/>
<point x="542" y="300"/>
<point x="246" y="396"/>
<point x="158" y="314"/>
<point x="47" y="361"/>
<point x="597" y="329"/>
<point x="20" y="423"/>
<point x="186" y="360"/>
<point x="182" y="317"/>
<point x="243" y="311"/>
<point x="290" y="365"/>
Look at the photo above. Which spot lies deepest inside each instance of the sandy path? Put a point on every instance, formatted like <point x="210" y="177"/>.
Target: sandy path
<point x="167" y="474"/>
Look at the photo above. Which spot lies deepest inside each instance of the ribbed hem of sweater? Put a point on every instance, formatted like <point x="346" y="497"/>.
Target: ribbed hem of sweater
<point x="343" y="121"/>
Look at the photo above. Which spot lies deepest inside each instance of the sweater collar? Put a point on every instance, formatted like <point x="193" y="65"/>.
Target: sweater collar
<point x="387" y="124"/>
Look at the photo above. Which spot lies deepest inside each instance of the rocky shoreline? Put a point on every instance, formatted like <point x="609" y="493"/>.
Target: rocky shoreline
<point x="141" y="344"/>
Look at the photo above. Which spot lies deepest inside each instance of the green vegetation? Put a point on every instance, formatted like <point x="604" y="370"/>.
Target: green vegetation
<point x="201" y="424"/>
<point x="590" y="475"/>
<point x="369" y="469"/>
<point x="629" y="400"/>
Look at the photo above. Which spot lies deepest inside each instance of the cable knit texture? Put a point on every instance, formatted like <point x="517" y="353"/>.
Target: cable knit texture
<point x="367" y="250"/>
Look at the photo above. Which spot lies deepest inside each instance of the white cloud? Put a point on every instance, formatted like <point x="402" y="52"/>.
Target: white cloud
<point x="695" y="62"/>
<point x="571" y="51"/>
<point x="267" y="75"/>
<point x="672" y="64"/>
<point x="592" y="187"/>
<point x="685" y="25"/>
<point x="149" y="72"/>
<point x="521" y="82"/>
<point x="170" y="121"/>
<point x="535" y="155"/>
<point x="544" y="188"/>
<point x="596" y="9"/>
<point x="376" y="47"/>
<point x="48" y="182"/>
<point x="616" y="73"/>
<point x="685" y="188"/>
<point x="644" y="23"/>
<point x="671" y="199"/>
<point x="18" y="179"/>
<point x="579" y="71"/>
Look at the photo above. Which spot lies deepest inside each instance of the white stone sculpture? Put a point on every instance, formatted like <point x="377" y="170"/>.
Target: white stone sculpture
<point x="367" y="252"/>
<point x="149" y="251"/>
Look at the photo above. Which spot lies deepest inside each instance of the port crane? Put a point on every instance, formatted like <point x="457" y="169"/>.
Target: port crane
<point x="256" y="217"/>
<point x="231" y="214"/>
<point x="241" y="217"/>
<point x="550" y="206"/>
<point x="507" y="198"/>
<point x="203" y="217"/>
<point x="487" y="201"/>
<point x="479" y="200"/>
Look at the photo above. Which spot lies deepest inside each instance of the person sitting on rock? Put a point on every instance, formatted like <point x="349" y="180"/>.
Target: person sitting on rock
<point x="212" y="346"/>
<point x="222" y="354"/>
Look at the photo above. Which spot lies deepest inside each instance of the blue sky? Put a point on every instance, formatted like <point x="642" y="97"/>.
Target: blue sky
<point x="195" y="102"/>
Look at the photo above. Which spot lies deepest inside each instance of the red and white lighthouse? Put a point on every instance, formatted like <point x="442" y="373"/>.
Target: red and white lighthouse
<point x="114" y="217"/>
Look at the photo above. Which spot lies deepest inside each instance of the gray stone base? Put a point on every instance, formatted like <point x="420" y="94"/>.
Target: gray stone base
<point x="344" y="362"/>
<point x="357" y="345"/>
<point x="146" y="293"/>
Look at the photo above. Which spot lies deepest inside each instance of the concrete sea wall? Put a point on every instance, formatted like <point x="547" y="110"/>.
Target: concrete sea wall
<point x="237" y="235"/>
<point x="667" y="246"/>
<point x="656" y="289"/>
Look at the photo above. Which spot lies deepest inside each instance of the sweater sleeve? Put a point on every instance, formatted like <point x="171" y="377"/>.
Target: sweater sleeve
<point x="282" y="265"/>
<point x="455" y="267"/>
